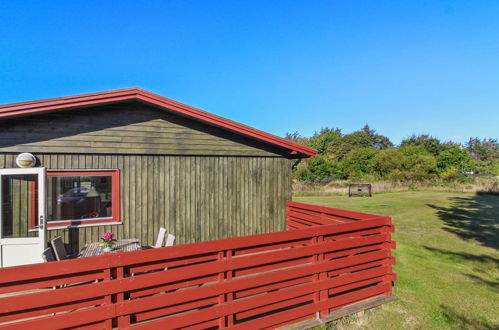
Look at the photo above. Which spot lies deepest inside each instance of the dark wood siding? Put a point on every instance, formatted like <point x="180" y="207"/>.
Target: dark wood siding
<point x="195" y="197"/>
<point x="129" y="128"/>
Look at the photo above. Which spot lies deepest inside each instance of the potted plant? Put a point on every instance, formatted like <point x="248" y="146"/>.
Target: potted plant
<point x="107" y="241"/>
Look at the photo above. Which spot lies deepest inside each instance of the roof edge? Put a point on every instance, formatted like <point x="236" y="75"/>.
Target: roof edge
<point x="91" y="99"/>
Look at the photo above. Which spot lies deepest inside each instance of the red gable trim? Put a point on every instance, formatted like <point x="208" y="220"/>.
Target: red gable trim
<point x="60" y="103"/>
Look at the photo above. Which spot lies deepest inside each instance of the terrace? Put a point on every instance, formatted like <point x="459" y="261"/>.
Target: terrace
<point x="328" y="263"/>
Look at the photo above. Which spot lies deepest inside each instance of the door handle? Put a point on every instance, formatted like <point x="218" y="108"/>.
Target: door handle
<point x="41" y="222"/>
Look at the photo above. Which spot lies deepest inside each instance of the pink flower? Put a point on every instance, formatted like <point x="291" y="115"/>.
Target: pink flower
<point x="108" y="236"/>
<point x="107" y="239"/>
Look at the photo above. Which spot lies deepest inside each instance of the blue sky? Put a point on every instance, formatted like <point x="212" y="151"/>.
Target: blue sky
<point x="403" y="67"/>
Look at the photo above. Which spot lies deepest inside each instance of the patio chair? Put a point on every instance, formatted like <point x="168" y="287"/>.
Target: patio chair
<point x="59" y="249"/>
<point x="170" y="239"/>
<point x="48" y="255"/>
<point x="161" y="238"/>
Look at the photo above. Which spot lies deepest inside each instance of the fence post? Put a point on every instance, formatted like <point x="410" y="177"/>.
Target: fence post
<point x="230" y="295"/>
<point x="226" y="321"/>
<point x="221" y="297"/>
<point x="123" y="321"/>
<point x="323" y="294"/>
<point x="389" y="277"/>
<point x="108" y="299"/>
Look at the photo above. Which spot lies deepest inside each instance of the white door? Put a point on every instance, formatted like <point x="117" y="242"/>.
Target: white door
<point x="22" y="216"/>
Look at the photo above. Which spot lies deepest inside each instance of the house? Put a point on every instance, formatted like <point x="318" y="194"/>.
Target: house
<point x="130" y="161"/>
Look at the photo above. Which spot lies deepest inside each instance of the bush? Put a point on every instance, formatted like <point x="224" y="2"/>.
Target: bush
<point x="315" y="169"/>
<point x="364" y="154"/>
<point x="452" y="173"/>
<point x="456" y="158"/>
<point x="428" y="143"/>
<point x="388" y="163"/>
<point x="357" y="163"/>
<point x="321" y="141"/>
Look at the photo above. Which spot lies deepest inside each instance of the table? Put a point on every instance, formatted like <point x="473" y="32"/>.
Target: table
<point x="96" y="248"/>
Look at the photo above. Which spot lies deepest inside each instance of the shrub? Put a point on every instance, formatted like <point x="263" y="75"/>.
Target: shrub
<point x="357" y="163"/>
<point x="456" y="158"/>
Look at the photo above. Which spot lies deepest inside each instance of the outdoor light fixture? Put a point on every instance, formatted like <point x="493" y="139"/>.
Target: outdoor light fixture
<point x="25" y="160"/>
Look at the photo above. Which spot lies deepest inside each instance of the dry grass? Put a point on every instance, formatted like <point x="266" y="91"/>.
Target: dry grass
<point x="340" y="187"/>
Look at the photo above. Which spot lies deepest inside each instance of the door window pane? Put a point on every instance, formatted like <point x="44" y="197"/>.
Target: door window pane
<point x="19" y="198"/>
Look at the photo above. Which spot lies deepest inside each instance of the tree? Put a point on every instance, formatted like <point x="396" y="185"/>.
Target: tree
<point x="408" y="163"/>
<point x="293" y="136"/>
<point x="378" y="141"/>
<point x="365" y="153"/>
<point x="357" y="163"/>
<point x="296" y="137"/>
<point x="418" y="164"/>
<point x="339" y="148"/>
<point x="316" y="168"/>
<point x="483" y="150"/>
<point x="388" y="161"/>
<point x="429" y="143"/>
<point x="455" y="157"/>
<point x="321" y="141"/>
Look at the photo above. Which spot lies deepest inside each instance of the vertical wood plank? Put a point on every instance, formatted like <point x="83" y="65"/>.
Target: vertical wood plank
<point x="123" y="321"/>
<point x="195" y="197"/>
<point x="132" y="196"/>
<point x="139" y="197"/>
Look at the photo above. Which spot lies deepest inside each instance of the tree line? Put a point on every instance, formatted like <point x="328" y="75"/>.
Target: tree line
<point x="365" y="154"/>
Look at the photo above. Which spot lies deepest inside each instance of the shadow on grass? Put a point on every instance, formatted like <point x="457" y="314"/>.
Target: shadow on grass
<point x="459" y="256"/>
<point x="482" y="281"/>
<point x="464" y="322"/>
<point x="466" y="256"/>
<point x="475" y="217"/>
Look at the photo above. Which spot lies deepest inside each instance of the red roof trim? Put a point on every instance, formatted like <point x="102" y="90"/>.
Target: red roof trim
<point x="32" y="107"/>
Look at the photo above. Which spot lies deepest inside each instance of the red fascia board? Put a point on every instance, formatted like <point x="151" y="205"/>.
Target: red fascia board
<point x="85" y="100"/>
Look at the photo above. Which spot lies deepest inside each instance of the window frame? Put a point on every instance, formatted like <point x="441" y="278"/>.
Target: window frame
<point x="115" y="193"/>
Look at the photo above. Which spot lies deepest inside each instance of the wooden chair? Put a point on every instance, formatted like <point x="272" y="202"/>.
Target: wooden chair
<point x="48" y="255"/>
<point x="59" y="249"/>
<point x="161" y="238"/>
<point x="170" y="239"/>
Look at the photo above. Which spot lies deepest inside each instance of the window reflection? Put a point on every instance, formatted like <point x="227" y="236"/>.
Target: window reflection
<point x="75" y="197"/>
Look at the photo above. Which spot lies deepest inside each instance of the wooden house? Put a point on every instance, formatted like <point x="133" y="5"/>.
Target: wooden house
<point x="129" y="161"/>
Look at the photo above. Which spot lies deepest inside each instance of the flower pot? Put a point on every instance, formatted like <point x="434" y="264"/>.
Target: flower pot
<point x="107" y="249"/>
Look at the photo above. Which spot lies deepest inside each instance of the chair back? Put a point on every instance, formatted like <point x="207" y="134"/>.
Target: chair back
<point x="170" y="239"/>
<point x="161" y="238"/>
<point x="48" y="255"/>
<point x="59" y="249"/>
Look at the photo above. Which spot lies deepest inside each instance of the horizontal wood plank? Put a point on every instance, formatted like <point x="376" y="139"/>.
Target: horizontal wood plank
<point x="131" y="128"/>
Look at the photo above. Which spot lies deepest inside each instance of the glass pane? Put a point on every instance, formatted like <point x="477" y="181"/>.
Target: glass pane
<point x="19" y="205"/>
<point x="75" y="197"/>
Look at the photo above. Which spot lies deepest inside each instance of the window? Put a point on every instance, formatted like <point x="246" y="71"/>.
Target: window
<point x="83" y="198"/>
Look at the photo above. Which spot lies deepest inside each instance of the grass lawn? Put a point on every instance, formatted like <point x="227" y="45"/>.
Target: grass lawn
<point x="447" y="259"/>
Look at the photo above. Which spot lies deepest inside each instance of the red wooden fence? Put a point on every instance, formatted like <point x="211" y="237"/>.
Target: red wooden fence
<point x="330" y="258"/>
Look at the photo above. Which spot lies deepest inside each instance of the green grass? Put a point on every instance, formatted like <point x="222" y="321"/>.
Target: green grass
<point x="447" y="259"/>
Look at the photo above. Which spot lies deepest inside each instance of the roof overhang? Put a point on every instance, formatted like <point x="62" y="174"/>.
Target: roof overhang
<point x="137" y="94"/>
